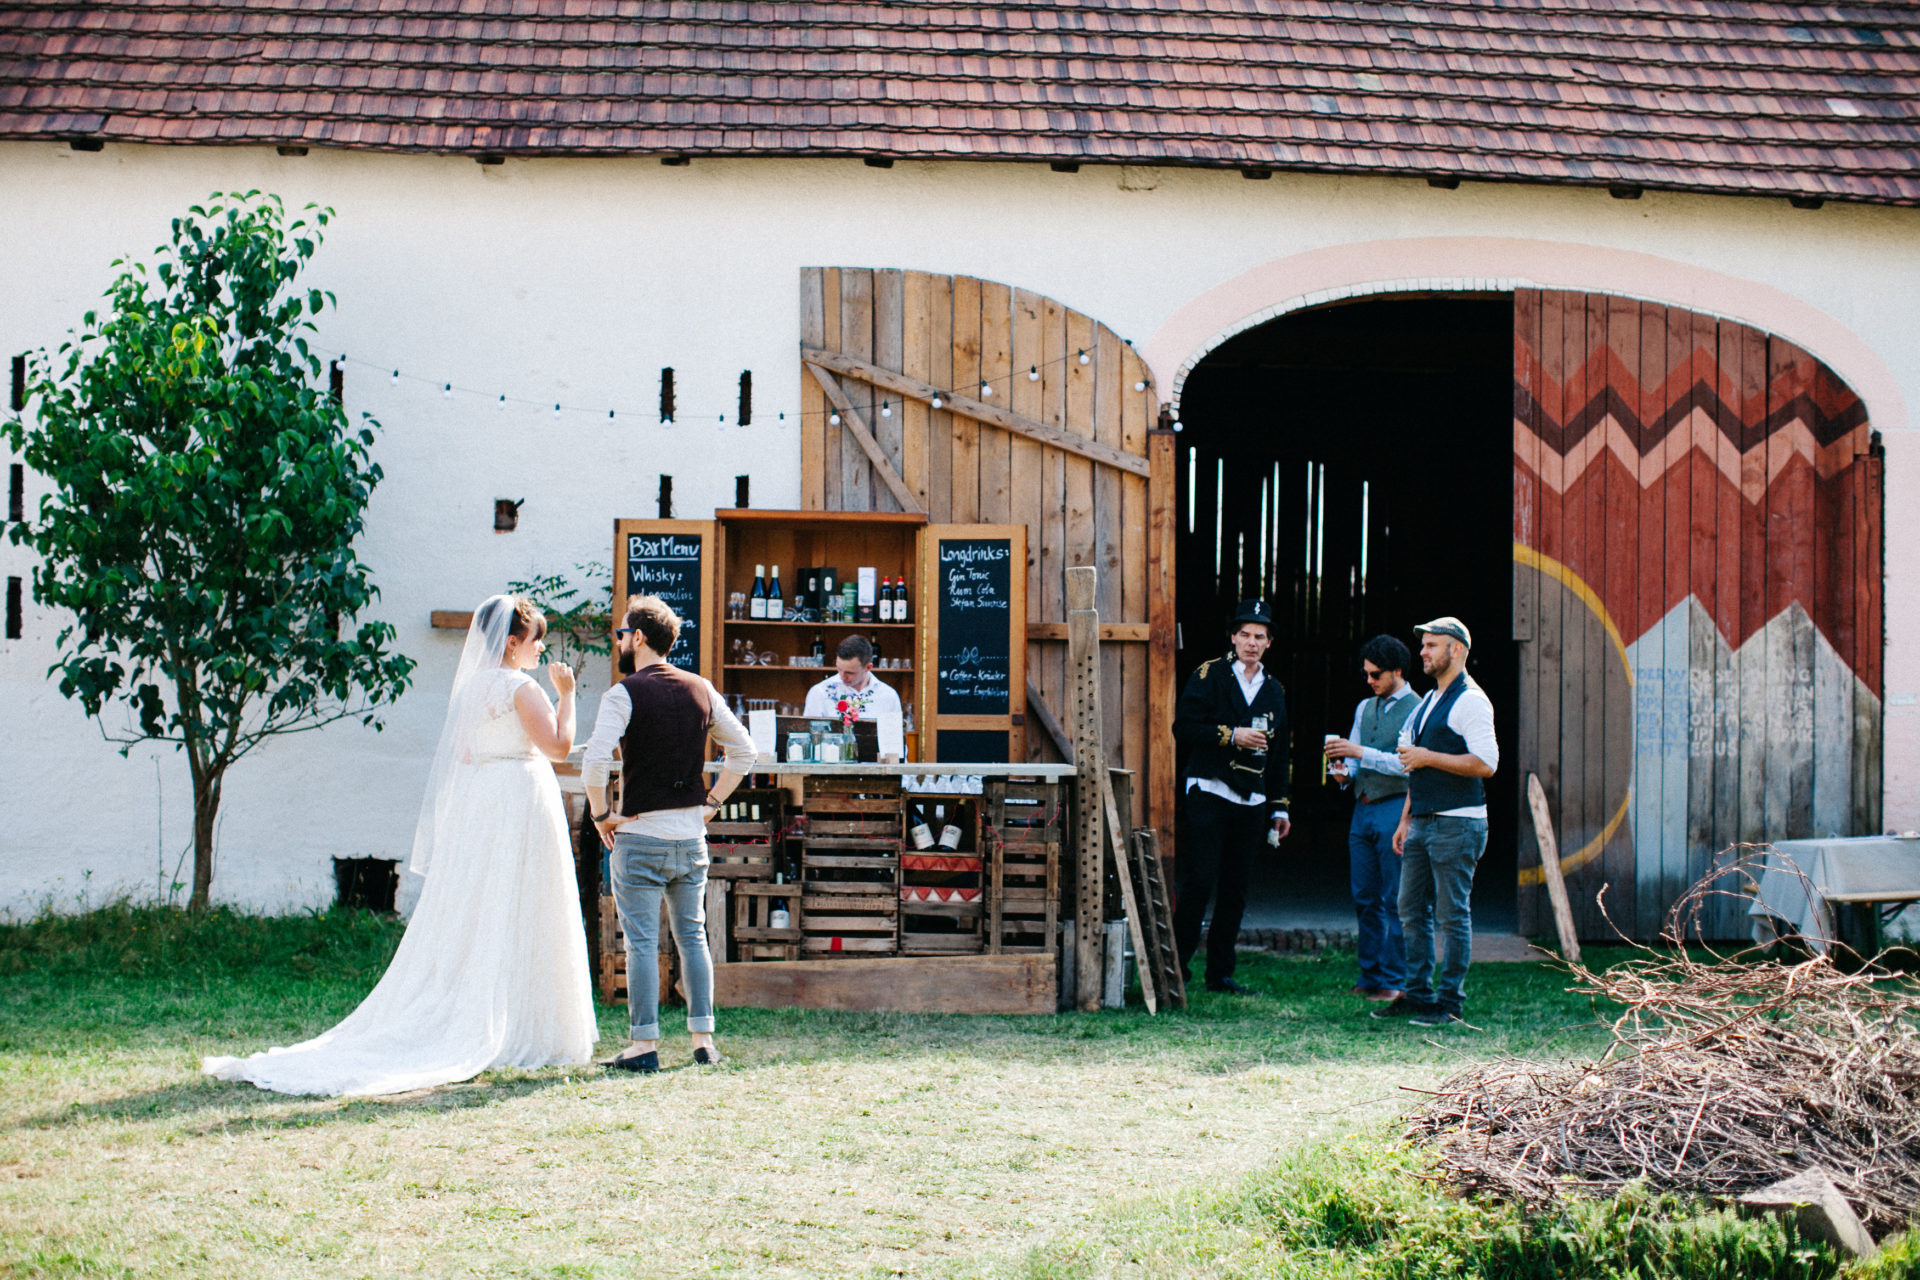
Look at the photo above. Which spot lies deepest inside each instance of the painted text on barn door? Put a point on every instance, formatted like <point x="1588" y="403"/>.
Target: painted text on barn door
<point x="1697" y="597"/>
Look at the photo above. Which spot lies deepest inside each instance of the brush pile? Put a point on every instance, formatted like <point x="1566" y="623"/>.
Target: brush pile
<point x="1724" y="1076"/>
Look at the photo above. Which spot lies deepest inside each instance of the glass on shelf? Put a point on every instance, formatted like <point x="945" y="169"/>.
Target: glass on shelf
<point x="747" y="656"/>
<point x="736" y="606"/>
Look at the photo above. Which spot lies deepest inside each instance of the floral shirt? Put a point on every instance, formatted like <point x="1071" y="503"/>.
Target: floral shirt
<point x="868" y="703"/>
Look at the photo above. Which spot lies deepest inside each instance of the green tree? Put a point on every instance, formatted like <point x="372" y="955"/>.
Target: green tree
<point x="206" y="491"/>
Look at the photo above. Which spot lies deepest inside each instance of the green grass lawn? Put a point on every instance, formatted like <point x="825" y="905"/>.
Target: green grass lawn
<point x="829" y="1144"/>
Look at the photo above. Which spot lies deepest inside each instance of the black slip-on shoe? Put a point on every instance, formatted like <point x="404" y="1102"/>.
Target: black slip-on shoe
<point x="1436" y="1018"/>
<point x="645" y="1063"/>
<point x="707" y="1057"/>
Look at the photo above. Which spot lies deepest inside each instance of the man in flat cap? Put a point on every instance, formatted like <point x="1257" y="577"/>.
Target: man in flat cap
<point x="1233" y="716"/>
<point x="1448" y="748"/>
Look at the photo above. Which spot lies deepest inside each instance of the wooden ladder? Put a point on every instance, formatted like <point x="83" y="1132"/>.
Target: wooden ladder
<point x="1156" y="918"/>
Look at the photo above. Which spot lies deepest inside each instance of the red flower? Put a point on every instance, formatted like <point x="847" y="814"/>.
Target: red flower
<point x="847" y="714"/>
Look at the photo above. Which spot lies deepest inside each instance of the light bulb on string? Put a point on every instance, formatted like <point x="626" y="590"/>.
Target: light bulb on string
<point x="1084" y="357"/>
<point x="937" y="402"/>
<point x="1139" y="386"/>
<point x="986" y="388"/>
<point x="556" y="411"/>
<point x="446" y="393"/>
<point x="1033" y="374"/>
<point x="394" y="381"/>
<point x="834" y="418"/>
<point x="609" y="415"/>
<point x="503" y="404"/>
<point x="886" y="409"/>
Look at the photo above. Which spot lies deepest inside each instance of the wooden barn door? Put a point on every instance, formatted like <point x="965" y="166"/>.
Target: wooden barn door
<point x="1697" y="597"/>
<point x="976" y="402"/>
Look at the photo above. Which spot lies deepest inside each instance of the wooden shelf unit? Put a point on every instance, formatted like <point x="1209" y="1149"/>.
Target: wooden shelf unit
<point x="888" y="542"/>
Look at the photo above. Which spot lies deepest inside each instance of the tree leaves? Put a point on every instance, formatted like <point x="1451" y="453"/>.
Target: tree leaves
<point x="204" y="499"/>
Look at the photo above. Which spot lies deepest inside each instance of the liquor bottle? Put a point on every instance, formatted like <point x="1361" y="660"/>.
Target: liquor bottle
<point x="900" y="611"/>
<point x="865" y="607"/>
<point x="886" y="599"/>
<point x="776" y="603"/>
<point x="813" y="592"/>
<point x="819" y="649"/>
<point x="922" y="833"/>
<point x="949" y="831"/>
<point x="757" y="598"/>
<point x="829" y="600"/>
<point x="876" y="649"/>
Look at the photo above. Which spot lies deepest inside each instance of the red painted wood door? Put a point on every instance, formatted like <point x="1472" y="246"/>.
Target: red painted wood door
<point x="1697" y="600"/>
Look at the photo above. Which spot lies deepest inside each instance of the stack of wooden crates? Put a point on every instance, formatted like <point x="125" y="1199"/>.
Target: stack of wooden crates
<point x="852" y="886"/>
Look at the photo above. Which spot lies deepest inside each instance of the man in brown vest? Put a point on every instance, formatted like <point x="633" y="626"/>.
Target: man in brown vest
<point x="661" y="717"/>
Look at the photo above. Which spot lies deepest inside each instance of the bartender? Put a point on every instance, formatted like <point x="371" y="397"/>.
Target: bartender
<point x="854" y="685"/>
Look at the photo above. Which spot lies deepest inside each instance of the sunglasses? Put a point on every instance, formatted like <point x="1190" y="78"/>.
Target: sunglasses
<point x="618" y="632"/>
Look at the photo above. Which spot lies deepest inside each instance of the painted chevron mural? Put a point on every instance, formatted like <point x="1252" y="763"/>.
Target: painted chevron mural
<point x="1697" y="541"/>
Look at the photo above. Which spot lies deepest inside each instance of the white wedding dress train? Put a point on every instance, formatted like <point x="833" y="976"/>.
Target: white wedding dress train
<point x="492" y="970"/>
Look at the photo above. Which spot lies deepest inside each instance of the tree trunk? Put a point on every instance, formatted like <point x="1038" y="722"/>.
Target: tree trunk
<point x="206" y="808"/>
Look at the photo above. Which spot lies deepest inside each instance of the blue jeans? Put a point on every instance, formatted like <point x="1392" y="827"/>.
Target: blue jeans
<point x="1373" y="874"/>
<point x="1436" y="886"/>
<point x="644" y="870"/>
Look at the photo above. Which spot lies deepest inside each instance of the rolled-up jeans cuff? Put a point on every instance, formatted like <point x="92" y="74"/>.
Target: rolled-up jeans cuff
<point x="649" y="1032"/>
<point x="701" y="1024"/>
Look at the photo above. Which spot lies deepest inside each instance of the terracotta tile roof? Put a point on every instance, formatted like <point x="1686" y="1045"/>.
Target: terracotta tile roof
<point x="1739" y="96"/>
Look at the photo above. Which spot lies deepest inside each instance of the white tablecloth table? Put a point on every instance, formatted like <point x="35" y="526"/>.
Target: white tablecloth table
<point x="1874" y="871"/>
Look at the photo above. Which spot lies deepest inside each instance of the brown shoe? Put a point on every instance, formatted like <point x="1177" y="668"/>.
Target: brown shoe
<point x="1385" y="995"/>
<point x="1357" y="990"/>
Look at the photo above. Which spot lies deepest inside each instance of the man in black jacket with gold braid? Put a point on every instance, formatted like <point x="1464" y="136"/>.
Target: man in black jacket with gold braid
<point x="1237" y="783"/>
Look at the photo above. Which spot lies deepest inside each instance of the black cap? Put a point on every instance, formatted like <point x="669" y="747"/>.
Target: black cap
<point x="1254" y="611"/>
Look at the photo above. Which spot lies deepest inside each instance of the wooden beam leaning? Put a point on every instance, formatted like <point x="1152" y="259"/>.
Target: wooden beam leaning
<point x="1123" y="865"/>
<point x="882" y="467"/>
<point x="1090" y="782"/>
<point x="1550" y="865"/>
<point x="967" y="407"/>
<point x="1048" y="721"/>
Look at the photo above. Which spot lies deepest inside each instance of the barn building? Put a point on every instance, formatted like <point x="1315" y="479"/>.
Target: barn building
<point x="1592" y="325"/>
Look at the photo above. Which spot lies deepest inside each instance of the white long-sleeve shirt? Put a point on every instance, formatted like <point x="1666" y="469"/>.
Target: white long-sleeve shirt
<point x="1373" y="757"/>
<point x="869" y="703"/>
<point x="610" y="726"/>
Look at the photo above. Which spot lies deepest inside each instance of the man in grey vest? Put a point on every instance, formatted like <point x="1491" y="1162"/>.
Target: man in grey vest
<point x="1447" y="747"/>
<point x="1379" y="784"/>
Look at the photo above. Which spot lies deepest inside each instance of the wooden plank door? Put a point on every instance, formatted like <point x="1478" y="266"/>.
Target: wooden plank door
<point x="1697" y="600"/>
<point x="985" y="402"/>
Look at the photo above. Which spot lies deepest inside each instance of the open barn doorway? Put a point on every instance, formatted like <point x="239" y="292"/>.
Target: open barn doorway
<point x="1354" y="465"/>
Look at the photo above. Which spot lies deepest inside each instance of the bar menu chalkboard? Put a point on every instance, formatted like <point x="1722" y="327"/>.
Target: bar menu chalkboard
<point x="668" y="565"/>
<point x="974" y="590"/>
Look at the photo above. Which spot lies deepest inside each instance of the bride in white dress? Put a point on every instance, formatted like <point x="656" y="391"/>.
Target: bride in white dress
<point x="492" y="970"/>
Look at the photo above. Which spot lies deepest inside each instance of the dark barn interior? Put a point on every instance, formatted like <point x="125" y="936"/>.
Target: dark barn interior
<point x="1353" y="464"/>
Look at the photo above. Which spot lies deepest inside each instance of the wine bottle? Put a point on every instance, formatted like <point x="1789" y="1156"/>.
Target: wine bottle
<point x="922" y="833"/>
<point x="876" y="649"/>
<point x="819" y="648"/>
<point x="776" y="603"/>
<point x="949" y="831"/>
<point x="886" y="599"/>
<point x="900" y="611"/>
<point x="757" y="598"/>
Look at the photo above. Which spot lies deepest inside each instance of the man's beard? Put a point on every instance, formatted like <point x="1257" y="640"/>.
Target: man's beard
<point x="626" y="663"/>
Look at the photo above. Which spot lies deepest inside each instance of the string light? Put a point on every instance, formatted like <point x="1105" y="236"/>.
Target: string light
<point x="503" y="404"/>
<point x="834" y="418"/>
<point x="986" y="388"/>
<point x="1084" y="357"/>
<point x="886" y="410"/>
<point x="394" y="381"/>
<point x="609" y="415"/>
<point x="937" y="401"/>
<point x="447" y="392"/>
<point x="1140" y="386"/>
<point x="556" y="411"/>
<point x="1033" y="374"/>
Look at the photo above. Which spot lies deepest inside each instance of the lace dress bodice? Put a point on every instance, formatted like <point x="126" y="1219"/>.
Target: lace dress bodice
<point x="500" y="735"/>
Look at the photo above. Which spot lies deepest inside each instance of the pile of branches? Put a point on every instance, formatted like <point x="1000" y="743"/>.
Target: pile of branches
<point x="1724" y="1075"/>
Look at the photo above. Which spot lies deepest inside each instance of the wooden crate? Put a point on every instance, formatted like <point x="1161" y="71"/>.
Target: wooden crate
<point x="1022" y="824"/>
<point x="754" y="938"/>
<point x="613" y="958"/>
<point x="749" y="849"/>
<point x="942" y="903"/>
<point x="860" y="923"/>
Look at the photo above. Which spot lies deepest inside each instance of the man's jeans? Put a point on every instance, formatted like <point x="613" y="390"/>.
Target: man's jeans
<point x="1373" y="873"/>
<point x="1436" y="883"/>
<point x="644" y="870"/>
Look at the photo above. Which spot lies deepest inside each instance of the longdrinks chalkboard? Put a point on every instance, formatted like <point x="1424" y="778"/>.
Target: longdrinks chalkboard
<point x="974" y="589"/>
<point x="668" y="565"/>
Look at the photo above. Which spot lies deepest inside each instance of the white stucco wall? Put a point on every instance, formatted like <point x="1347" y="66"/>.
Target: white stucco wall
<point x="576" y="281"/>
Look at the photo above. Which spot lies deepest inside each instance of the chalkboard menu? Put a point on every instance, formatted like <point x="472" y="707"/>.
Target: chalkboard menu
<point x="974" y="598"/>
<point x="668" y="565"/>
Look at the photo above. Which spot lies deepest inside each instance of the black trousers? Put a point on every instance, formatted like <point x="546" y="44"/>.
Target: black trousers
<point x="1215" y="861"/>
